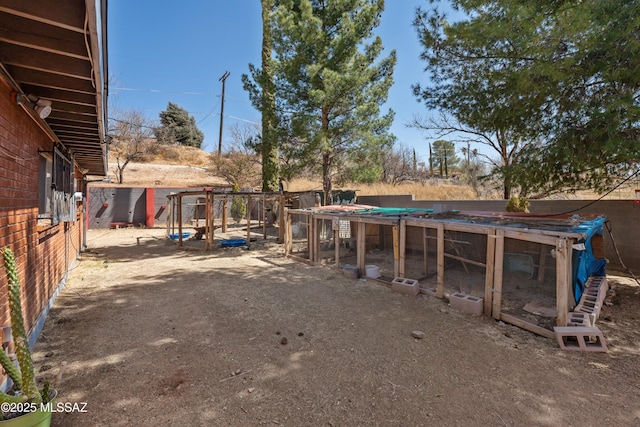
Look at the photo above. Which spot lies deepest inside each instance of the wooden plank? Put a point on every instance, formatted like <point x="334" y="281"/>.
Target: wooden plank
<point x="535" y="236"/>
<point x="440" y="258"/>
<point x="489" y="272"/>
<point x="497" y="274"/>
<point x="281" y="226"/>
<point x="521" y="323"/>
<point x="562" y="283"/>
<point x="465" y="260"/>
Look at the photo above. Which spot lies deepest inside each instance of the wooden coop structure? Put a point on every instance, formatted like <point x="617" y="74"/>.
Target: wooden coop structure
<point x="194" y="216"/>
<point x="545" y="274"/>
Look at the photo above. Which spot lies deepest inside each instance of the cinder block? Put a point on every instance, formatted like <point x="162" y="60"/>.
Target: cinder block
<point x="405" y="286"/>
<point x="579" y="319"/>
<point x="467" y="303"/>
<point x="581" y="338"/>
<point x="474" y="305"/>
<point x="456" y="301"/>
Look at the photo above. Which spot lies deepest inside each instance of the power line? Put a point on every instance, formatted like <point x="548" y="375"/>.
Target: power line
<point x="166" y="91"/>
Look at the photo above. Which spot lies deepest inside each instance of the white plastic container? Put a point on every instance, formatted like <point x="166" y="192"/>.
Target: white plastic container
<point x="372" y="271"/>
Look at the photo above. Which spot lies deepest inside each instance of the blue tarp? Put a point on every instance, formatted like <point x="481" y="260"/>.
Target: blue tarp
<point x="585" y="264"/>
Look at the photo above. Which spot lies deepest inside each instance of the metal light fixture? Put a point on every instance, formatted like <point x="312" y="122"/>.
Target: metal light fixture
<point x="41" y="106"/>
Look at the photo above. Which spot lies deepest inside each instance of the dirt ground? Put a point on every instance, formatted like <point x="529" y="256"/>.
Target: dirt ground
<point x="153" y="335"/>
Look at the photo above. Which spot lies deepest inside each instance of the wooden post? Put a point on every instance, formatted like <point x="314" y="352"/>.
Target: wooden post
<point x="213" y="219"/>
<point x="336" y="241"/>
<point x="425" y="248"/>
<point x="248" y="220"/>
<point x="169" y="216"/>
<point x="264" y="217"/>
<point x="224" y="214"/>
<point x="207" y="221"/>
<point x="286" y="218"/>
<point x="497" y="274"/>
<point x="563" y="273"/>
<point x="440" y="257"/>
<point x="281" y="222"/>
<point x="402" y="248"/>
<point x="489" y="271"/>
<point x="179" y="220"/>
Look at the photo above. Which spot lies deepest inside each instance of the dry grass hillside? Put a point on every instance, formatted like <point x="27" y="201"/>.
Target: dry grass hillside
<point x="176" y="166"/>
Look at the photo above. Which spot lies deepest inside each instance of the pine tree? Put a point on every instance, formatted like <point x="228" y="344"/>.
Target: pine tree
<point x="328" y="80"/>
<point x="178" y="127"/>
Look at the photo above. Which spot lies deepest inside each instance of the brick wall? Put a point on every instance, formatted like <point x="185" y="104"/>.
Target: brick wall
<point x="43" y="253"/>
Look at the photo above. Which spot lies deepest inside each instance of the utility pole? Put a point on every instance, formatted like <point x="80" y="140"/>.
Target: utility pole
<point x="222" y="79"/>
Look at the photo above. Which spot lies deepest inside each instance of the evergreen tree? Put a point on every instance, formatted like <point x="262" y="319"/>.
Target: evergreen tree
<point x="178" y="127"/>
<point x="328" y="83"/>
<point x="549" y="85"/>
<point x="444" y="153"/>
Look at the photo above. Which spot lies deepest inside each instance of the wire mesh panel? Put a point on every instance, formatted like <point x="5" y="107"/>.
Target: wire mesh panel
<point x="529" y="282"/>
<point x="379" y="256"/>
<point x="300" y="244"/>
<point x="326" y="232"/>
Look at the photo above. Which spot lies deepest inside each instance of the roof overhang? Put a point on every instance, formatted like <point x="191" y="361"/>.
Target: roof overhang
<point x="57" y="51"/>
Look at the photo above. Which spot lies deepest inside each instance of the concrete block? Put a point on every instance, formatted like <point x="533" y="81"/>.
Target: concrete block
<point x="467" y="303"/>
<point x="474" y="305"/>
<point x="579" y="319"/>
<point x="581" y="338"/>
<point x="456" y="301"/>
<point x="405" y="286"/>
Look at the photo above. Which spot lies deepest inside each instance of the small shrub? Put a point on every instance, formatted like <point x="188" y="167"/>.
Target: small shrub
<point x="238" y="207"/>
<point x="518" y="204"/>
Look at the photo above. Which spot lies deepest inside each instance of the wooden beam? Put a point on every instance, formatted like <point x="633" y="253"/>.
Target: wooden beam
<point x="465" y="260"/>
<point x="521" y="323"/>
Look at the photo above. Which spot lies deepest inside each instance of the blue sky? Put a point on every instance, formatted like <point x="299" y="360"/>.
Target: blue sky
<point x="166" y="51"/>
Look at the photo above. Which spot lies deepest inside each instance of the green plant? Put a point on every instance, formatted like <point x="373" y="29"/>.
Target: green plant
<point x="238" y="207"/>
<point x="25" y="388"/>
<point x="518" y="204"/>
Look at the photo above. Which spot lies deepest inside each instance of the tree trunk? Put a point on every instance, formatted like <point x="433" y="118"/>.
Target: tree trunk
<point x="270" y="171"/>
<point x="326" y="158"/>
